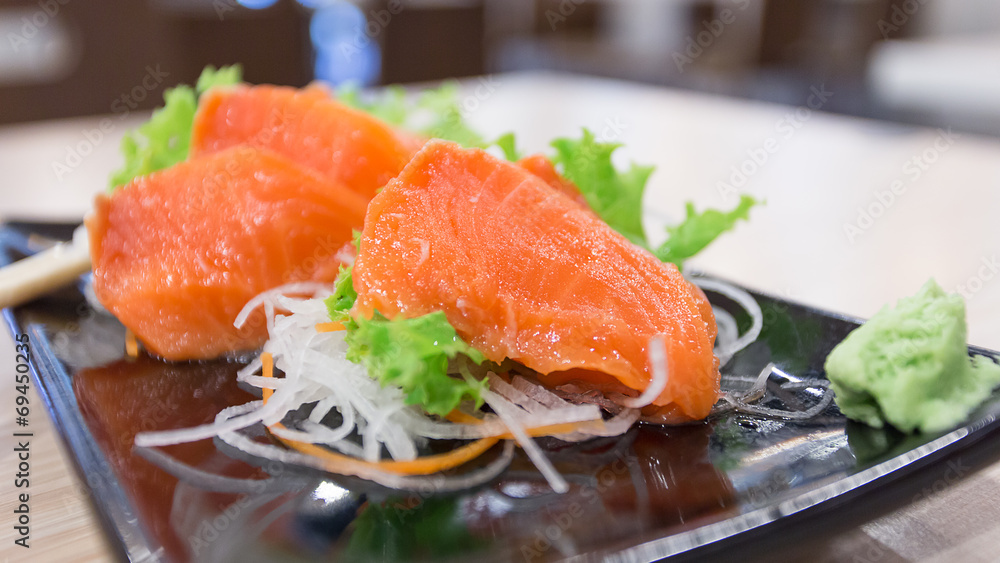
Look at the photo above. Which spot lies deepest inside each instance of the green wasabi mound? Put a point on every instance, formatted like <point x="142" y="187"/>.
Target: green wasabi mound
<point x="909" y="366"/>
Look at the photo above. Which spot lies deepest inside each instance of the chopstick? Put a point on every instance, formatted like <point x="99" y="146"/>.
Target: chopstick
<point x="46" y="271"/>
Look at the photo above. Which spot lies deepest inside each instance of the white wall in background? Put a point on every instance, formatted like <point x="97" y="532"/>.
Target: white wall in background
<point x="958" y="17"/>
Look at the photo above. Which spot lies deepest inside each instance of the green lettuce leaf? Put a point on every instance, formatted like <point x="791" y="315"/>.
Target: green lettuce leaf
<point x="615" y="196"/>
<point x="339" y="304"/>
<point x="411" y="353"/>
<point x="165" y="139"/>
<point x="390" y="105"/>
<point x="447" y="121"/>
<point x="212" y="77"/>
<point x="508" y="144"/>
<point x="700" y="229"/>
<point x="434" y="113"/>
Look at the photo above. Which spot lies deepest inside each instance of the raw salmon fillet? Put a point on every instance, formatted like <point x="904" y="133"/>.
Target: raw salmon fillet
<point x="541" y="166"/>
<point x="177" y="254"/>
<point x="308" y="126"/>
<point x="524" y="272"/>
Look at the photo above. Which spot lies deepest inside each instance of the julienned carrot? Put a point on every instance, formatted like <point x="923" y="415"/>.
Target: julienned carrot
<point x="267" y="368"/>
<point x="420" y="466"/>
<point x="131" y="344"/>
<point x="462" y="418"/>
<point x="329" y="327"/>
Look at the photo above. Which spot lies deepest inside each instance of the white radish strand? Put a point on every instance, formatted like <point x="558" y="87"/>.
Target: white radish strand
<point x="439" y="483"/>
<point x="756" y="390"/>
<point x="743" y="299"/>
<point x="316" y="371"/>
<point x="615" y="426"/>
<point x="514" y="394"/>
<point x="506" y="412"/>
<point x="270" y="296"/>
<point x="741" y="401"/>
<point x="659" y="373"/>
<point x="493" y="426"/>
<point x="728" y="330"/>
<point x="202" y="432"/>
<point x="539" y="393"/>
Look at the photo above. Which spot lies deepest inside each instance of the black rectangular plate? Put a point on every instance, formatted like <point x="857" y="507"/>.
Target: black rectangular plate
<point x="734" y="482"/>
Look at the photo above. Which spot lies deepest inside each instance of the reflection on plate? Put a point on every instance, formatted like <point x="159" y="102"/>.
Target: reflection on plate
<point x="651" y="493"/>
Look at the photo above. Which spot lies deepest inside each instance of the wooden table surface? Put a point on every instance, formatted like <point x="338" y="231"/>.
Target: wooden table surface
<point x="858" y="214"/>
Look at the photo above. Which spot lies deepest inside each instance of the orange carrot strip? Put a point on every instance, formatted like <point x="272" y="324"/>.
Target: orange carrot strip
<point x="329" y="327"/>
<point x="131" y="344"/>
<point x="556" y="429"/>
<point x="267" y="369"/>
<point x="460" y="417"/>
<point x="420" y="466"/>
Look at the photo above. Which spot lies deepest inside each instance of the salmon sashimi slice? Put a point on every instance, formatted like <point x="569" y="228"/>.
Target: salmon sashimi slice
<point x="177" y="254"/>
<point x="308" y="126"/>
<point x="541" y="166"/>
<point x="524" y="272"/>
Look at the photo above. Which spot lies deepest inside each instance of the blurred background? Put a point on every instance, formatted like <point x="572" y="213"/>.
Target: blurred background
<point x="928" y="62"/>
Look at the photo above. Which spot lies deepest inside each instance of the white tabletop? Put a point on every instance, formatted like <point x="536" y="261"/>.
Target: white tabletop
<point x="816" y="171"/>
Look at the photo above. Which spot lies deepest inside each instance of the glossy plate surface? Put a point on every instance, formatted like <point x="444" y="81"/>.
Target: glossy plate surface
<point x="652" y="493"/>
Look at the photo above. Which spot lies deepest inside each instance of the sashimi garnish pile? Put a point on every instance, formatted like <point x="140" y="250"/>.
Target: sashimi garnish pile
<point x="484" y="299"/>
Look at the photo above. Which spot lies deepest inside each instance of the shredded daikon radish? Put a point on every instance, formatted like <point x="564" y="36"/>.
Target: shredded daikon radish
<point x="202" y="432"/>
<point x="657" y="350"/>
<point x="728" y="331"/>
<point x="743" y="299"/>
<point x="742" y="400"/>
<point x="304" y="288"/>
<point x="317" y="375"/>
<point x="539" y="393"/>
<point x="514" y="394"/>
<point x="220" y="483"/>
<point x="506" y="411"/>
<point x="615" y="426"/>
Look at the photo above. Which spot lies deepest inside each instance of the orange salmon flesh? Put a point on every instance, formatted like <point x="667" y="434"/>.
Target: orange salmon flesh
<point x="523" y="271"/>
<point x="177" y="254"/>
<point x="308" y="126"/>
